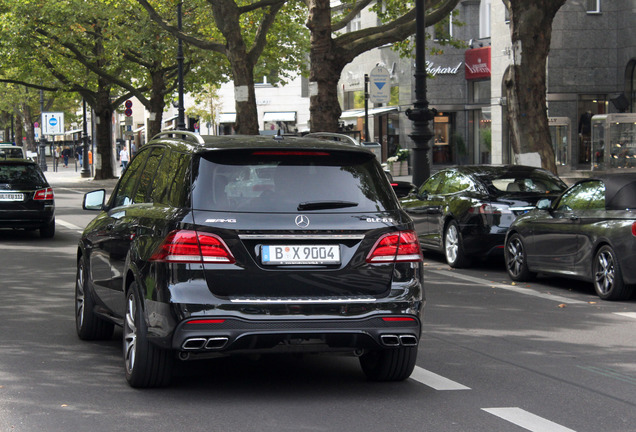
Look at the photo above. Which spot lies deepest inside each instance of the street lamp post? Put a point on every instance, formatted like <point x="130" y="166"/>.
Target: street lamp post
<point x="420" y="114"/>
<point x="42" y="154"/>
<point x="181" y="113"/>
<point x="86" y="170"/>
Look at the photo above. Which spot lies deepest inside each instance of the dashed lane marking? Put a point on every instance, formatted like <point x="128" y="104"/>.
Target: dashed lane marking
<point x="527" y="420"/>
<point x="435" y="381"/>
<point x="514" y="288"/>
<point x="68" y="225"/>
<point x="626" y="314"/>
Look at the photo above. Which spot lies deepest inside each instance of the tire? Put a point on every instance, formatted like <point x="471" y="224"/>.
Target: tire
<point x="394" y="364"/>
<point x="48" y="230"/>
<point x="516" y="259"/>
<point x="608" y="278"/>
<point x="454" y="247"/>
<point x="88" y="324"/>
<point x="146" y="364"/>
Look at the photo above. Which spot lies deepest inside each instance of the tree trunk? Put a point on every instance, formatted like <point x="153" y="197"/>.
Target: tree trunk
<point x="324" y="107"/>
<point x="227" y="18"/>
<point x="157" y="103"/>
<point x="525" y="80"/>
<point x="104" y="134"/>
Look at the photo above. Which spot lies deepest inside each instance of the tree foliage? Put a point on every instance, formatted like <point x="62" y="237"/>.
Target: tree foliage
<point x="262" y="37"/>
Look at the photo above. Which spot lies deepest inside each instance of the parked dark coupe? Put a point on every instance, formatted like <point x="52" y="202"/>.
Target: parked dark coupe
<point x="465" y="211"/>
<point x="232" y="245"/>
<point x="26" y="198"/>
<point x="588" y="233"/>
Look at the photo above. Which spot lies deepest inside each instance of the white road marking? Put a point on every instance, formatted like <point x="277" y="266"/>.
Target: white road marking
<point x="527" y="420"/>
<point x="626" y="314"/>
<point x="435" y="381"/>
<point x="68" y="225"/>
<point x="514" y="288"/>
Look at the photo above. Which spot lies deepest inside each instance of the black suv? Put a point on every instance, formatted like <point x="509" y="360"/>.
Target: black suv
<point x="27" y="200"/>
<point x="232" y="244"/>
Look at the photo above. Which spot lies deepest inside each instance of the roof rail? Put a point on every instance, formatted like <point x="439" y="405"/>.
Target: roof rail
<point x="184" y="135"/>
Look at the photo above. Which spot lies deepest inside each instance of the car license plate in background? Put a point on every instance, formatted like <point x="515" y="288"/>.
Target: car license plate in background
<point x="298" y="254"/>
<point x="11" y="196"/>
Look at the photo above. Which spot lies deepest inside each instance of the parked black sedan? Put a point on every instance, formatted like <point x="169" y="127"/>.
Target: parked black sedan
<point x="588" y="233"/>
<point x="26" y="198"/>
<point x="465" y="211"/>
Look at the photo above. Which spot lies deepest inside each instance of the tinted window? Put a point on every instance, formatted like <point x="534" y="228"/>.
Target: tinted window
<point x="148" y="174"/>
<point x="279" y="181"/>
<point x="21" y="173"/>
<point x="431" y="185"/>
<point x="580" y="197"/>
<point x="128" y="181"/>
<point x="170" y="184"/>
<point x="453" y="182"/>
<point x="532" y="181"/>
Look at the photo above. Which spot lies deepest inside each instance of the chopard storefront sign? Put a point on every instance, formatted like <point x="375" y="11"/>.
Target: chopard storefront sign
<point x="441" y="70"/>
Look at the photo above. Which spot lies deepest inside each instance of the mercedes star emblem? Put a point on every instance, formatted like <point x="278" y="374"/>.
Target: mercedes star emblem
<point x="302" y="221"/>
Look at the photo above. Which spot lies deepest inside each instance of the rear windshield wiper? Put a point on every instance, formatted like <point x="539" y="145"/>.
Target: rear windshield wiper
<point x="324" y="205"/>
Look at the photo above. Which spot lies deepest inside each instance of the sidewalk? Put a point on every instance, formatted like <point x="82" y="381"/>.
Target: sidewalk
<point x="69" y="177"/>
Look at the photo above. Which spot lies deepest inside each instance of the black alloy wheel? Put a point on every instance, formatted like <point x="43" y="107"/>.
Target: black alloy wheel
<point x="146" y="364"/>
<point x="516" y="259"/>
<point x="88" y="324"/>
<point x="608" y="279"/>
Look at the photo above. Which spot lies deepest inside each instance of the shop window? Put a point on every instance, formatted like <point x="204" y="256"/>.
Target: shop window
<point x="442" y="148"/>
<point x="593" y="6"/>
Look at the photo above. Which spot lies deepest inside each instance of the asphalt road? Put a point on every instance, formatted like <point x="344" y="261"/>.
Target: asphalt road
<point x="546" y="356"/>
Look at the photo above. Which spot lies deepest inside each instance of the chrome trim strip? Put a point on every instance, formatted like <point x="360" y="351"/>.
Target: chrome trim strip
<point x="302" y="300"/>
<point x="301" y="236"/>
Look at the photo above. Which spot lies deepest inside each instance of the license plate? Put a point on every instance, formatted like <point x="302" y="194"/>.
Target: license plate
<point x="299" y="254"/>
<point x="11" y="196"/>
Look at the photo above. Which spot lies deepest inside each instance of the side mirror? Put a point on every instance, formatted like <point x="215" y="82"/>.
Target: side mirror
<point x="544" y="204"/>
<point x="94" y="200"/>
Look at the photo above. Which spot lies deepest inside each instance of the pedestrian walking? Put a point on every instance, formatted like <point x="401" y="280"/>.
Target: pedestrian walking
<point x="124" y="158"/>
<point x="66" y="153"/>
<point x="56" y="157"/>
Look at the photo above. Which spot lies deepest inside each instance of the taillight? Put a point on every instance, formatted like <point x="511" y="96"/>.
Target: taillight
<point x="400" y="246"/>
<point x="634" y="229"/>
<point x="485" y="209"/>
<point x="193" y="247"/>
<point x="44" y="194"/>
<point x="290" y="153"/>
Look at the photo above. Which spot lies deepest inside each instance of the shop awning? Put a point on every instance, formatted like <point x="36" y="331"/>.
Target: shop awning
<point x="227" y="118"/>
<point x="286" y="116"/>
<point x="356" y="113"/>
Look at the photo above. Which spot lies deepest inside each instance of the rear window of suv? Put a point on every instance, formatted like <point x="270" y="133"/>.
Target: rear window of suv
<point x="21" y="173"/>
<point x="290" y="181"/>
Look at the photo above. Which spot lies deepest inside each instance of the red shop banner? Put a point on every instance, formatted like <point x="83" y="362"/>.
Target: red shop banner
<point x="477" y="63"/>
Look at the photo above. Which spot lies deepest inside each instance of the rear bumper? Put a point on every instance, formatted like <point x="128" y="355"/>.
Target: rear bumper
<point x="26" y="218"/>
<point x="233" y="335"/>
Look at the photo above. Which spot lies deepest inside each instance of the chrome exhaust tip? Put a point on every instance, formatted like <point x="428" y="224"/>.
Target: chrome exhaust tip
<point x="390" y="340"/>
<point x="408" y="340"/>
<point x="194" y="344"/>
<point x="216" y="343"/>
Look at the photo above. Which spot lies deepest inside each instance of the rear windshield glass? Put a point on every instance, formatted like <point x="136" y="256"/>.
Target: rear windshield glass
<point x="532" y="181"/>
<point x="11" y="153"/>
<point x="20" y="173"/>
<point x="291" y="181"/>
